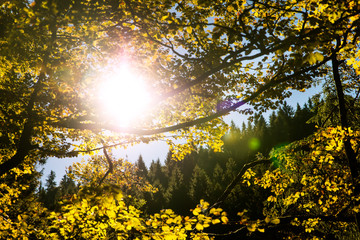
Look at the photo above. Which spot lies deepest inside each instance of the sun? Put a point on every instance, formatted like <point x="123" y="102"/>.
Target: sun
<point x="123" y="96"/>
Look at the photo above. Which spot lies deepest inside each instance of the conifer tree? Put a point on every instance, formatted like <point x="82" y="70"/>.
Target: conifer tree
<point x="67" y="186"/>
<point x="199" y="185"/>
<point x="176" y="193"/>
<point x="50" y="195"/>
<point x="142" y="170"/>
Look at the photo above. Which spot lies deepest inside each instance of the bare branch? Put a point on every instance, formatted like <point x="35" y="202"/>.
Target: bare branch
<point x="111" y="165"/>
<point x="238" y="177"/>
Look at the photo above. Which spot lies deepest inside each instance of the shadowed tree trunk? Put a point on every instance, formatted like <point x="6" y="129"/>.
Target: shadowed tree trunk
<point x="350" y="154"/>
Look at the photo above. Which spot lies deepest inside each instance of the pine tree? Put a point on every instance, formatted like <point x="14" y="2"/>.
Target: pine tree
<point x="176" y="191"/>
<point x="157" y="178"/>
<point x="199" y="185"/>
<point x="51" y="195"/>
<point x="236" y="143"/>
<point x="170" y="164"/>
<point x="217" y="182"/>
<point x="67" y="186"/>
<point x="157" y="174"/>
<point x="301" y="126"/>
<point x="142" y="171"/>
<point x="260" y="137"/>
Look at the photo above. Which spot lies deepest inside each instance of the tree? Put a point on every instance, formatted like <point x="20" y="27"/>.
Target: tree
<point x="67" y="186"/>
<point x="281" y="125"/>
<point x="176" y="192"/>
<point x="103" y="211"/>
<point x="312" y="190"/>
<point x="302" y="119"/>
<point x="209" y="64"/>
<point x="199" y="185"/>
<point x="204" y="60"/>
<point x="158" y="179"/>
<point x="142" y="171"/>
<point x="51" y="194"/>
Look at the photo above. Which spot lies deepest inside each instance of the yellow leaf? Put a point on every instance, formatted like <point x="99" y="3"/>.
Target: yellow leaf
<point x="318" y="56"/>
<point x="312" y="58"/>
<point x="189" y="30"/>
<point x="251" y="227"/>
<point x="165" y="228"/>
<point x="230" y="8"/>
<point x="216" y="211"/>
<point x="111" y="214"/>
<point x="224" y="219"/>
<point x="275" y="221"/>
<point x="215" y="221"/>
<point x="188" y="226"/>
<point x="169" y="237"/>
<point x="196" y="211"/>
<point x="199" y="227"/>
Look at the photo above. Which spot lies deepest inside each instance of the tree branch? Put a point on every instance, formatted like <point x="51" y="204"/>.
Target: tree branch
<point x="238" y="177"/>
<point x="75" y="124"/>
<point x="111" y="165"/>
<point x="24" y="144"/>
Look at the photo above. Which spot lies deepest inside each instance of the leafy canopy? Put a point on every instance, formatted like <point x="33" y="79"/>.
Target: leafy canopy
<point x="202" y="60"/>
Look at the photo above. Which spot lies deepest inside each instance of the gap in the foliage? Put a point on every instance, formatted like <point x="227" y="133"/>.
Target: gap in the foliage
<point x="159" y="149"/>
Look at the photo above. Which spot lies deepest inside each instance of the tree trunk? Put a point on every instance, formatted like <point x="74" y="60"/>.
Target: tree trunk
<point x="350" y="154"/>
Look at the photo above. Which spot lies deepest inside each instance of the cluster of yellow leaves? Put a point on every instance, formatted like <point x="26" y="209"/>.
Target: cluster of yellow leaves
<point x="248" y="175"/>
<point x="15" y="223"/>
<point x="310" y="224"/>
<point x="312" y="177"/>
<point x="93" y="216"/>
<point x="123" y="175"/>
<point x="100" y="212"/>
<point x="257" y="225"/>
<point x="174" y="226"/>
<point x="26" y="225"/>
<point x="208" y="135"/>
<point x="106" y="215"/>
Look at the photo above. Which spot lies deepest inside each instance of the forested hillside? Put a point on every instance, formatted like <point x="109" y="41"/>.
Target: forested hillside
<point x="205" y="174"/>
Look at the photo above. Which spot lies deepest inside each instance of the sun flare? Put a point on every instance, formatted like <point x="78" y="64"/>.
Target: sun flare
<point x="123" y="96"/>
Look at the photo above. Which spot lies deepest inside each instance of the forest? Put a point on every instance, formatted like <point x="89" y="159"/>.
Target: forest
<point x="205" y="174"/>
<point x="87" y="78"/>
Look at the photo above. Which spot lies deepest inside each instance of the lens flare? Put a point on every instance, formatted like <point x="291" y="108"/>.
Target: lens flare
<point x="254" y="144"/>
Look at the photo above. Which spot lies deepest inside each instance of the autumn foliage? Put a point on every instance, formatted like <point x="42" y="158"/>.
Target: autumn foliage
<point x="202" y="60"/>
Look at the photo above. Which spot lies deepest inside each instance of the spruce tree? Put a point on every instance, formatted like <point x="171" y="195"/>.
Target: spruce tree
<point x="141" y="171"/>
<point x="51" y="195"/>
<point x="199" y="185"/>
<point x="67" y="186"/>
<point x="176" y="191"/>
